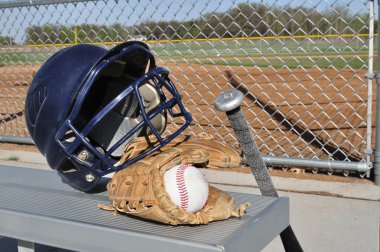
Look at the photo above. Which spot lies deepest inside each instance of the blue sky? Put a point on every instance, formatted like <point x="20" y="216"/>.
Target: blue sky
<point x="129" y="12"/>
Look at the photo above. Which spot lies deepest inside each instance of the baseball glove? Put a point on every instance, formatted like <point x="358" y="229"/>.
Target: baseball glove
<point x="220" y="155"/>
<point x="139" y="190"/>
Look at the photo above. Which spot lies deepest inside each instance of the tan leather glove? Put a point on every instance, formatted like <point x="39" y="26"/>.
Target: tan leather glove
<point x="139" y="189"/>
<point x="219" y="154"/>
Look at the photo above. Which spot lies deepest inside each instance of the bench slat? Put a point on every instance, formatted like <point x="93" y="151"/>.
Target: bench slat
<point x="36" y="206"/>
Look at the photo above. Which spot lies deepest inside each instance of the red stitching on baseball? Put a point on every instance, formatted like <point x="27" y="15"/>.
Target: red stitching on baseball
<point x="183" y="194"/>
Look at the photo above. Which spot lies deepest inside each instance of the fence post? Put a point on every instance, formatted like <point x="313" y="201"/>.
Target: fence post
<point x="377" y="145"/>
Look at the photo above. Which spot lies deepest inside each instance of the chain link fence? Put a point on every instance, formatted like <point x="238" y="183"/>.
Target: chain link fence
<point x="300" y="64"/>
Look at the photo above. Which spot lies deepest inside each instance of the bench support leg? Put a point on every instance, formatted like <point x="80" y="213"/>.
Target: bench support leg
<point x="25" y="246"/>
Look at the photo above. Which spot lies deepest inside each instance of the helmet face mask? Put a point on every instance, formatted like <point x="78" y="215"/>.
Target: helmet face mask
<point x="123" y="95"/>
<point x="125" y="116"/>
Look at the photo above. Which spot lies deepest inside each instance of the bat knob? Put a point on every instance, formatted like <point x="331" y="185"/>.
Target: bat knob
<point x="228" y="101"/>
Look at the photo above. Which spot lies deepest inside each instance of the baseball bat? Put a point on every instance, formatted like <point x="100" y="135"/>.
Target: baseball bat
<point x="229" y="102"/>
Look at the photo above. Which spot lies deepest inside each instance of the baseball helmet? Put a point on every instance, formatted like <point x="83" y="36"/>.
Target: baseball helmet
<point x="86" y="103"/>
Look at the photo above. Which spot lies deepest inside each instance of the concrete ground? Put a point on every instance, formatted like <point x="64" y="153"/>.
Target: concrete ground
<point x="325" y="216"/>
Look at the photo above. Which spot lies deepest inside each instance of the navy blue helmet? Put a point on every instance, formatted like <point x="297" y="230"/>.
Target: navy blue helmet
<point x="86" y="103"/>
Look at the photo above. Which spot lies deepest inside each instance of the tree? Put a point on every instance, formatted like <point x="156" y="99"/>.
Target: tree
<point x="7" y="40"/>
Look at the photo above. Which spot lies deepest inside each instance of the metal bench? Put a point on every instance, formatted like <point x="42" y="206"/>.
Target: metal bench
<point x="35" y="206"/>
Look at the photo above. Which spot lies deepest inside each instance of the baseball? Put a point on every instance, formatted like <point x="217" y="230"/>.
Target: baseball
<point x="187" y="187"/>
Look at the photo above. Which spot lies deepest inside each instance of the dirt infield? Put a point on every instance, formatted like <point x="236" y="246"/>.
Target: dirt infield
<point x="321" y="109"/>
<point x="14" y="83"/>
<point x="302" y="113"/>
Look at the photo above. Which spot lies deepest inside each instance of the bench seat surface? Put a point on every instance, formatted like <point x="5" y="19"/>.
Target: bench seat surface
<point x="36" y="206"/>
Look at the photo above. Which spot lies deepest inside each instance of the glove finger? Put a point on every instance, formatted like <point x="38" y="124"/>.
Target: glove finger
<point x="168" y="159"/>
<point x="194" y="156"/>
<point x="220" y="155"/>
<point x="220" y="205"/>
<point x="141" y="144"/>
<point x="136" y="147"/>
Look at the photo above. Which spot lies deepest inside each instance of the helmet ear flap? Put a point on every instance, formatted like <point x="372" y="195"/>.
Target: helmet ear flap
<point x="76" y="176"/>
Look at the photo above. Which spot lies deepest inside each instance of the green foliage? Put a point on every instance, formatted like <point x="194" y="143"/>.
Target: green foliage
<point x="13" y="158"/>
<point x="84" y="33"/>
<point x="7" y="40"/>
<point x="256" y="20"/>
<point x="49" y="34"/>
<point x="244" y="20"/>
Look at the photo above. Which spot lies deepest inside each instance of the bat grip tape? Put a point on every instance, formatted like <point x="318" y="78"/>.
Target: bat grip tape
<point x="251" y="152"/>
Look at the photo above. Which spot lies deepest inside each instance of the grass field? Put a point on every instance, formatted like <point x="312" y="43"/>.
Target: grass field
<point x="280" y="60"/>
<point x="277" y="61"/>
<point x="265" y="53"/>
<point x="20" y="58"/>
<point x="276" y="53"/>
